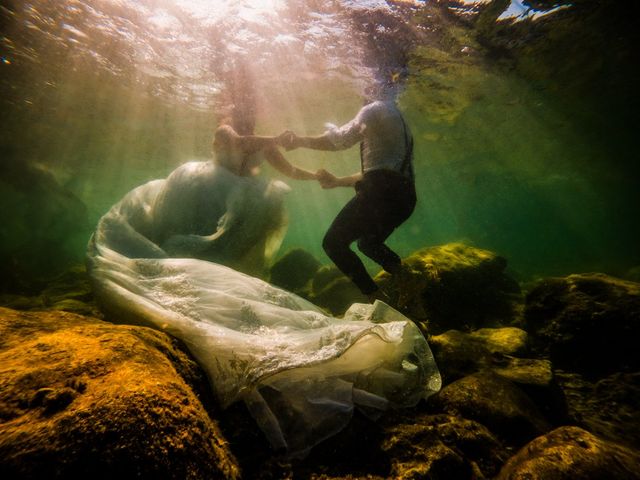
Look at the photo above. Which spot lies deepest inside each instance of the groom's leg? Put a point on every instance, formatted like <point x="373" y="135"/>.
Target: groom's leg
<point x="373" y="246"/>
<point x="388" y="211"/>
<point x="348" y="226"/>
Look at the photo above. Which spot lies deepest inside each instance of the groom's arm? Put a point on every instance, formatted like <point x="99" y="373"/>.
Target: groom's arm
<point x="329" y="180"/>
<point x="334" y="138"/>
<point x="321" y="142"/>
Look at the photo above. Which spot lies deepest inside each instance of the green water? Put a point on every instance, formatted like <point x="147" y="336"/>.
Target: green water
<point x="525" y="147"/>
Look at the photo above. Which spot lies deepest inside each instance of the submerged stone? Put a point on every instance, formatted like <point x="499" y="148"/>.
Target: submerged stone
<point x="500" y="351"/>
<point x="442" y="446"/>
<point x="69" y="291"/>
<point x="459" y="353"/>
<point x="84" y="398"/>
<point x="607" y="407"/>
<point x="587" y="323"/>
<point x="334" y="292"/>
<point x="570" y="452"/>
<point x="44" y="225"/>
<point x="496" y="403"/>
<point x="294" y="270"/>
<point x="454" y="286"/>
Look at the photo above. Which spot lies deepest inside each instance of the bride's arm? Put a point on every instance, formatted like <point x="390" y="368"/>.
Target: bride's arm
<point x="277" y="161"/>
<point x="226" y="137"/>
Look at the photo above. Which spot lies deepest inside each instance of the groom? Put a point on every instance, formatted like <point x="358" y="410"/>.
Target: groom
<point x="385" y="193"/>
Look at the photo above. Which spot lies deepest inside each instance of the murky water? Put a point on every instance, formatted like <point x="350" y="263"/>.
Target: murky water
<point x="100" y="96"/>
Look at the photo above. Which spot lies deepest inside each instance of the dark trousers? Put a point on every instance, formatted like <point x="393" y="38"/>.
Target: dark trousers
<point x="384" y="199"/>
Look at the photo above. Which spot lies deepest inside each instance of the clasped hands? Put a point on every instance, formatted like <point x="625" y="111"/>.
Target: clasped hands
<point x="290" y="141"/>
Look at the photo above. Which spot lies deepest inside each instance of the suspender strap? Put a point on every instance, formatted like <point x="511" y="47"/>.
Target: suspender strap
<point x="408" y="155"/>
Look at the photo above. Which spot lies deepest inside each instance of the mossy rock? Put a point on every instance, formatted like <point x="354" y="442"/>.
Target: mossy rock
<point x="496" y="403"/>
<point x="294" y="270"/>
<point x="338" y="296"/>
<point x="570" y="452"/>
<point x="80" y="397"/>
<point x="404" y="444"/>
<point x="504" y="352"/>
<point x="73" y="284"/>
<point x="454" y="286"/>
<point x="324" y="276"/>
<point x="69" y="291"/>
<point x="334" y="292"/>
<point x="45" y="225"/>
<point x="587" y="323"/>
<point x="21" y="302"/>
<point x="633" y="274"/>
<point x="459" y="353"/>
<point x="607" y="407"/>
<point x="441" y="446"/>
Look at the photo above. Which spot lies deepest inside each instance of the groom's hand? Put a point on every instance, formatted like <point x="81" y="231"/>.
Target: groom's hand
<point x="288" y="140"/>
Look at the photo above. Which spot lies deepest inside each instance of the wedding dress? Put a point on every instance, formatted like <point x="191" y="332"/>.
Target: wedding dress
<point x="300" y="372"/>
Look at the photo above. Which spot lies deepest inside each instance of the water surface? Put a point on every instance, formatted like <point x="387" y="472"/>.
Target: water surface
<point x="524" y="147"/>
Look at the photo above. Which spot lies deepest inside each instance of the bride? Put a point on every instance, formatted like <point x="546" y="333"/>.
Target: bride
<point x="183" y="254"/>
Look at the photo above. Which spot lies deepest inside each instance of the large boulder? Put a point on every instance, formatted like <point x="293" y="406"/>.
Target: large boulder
<point x="459" y="353"/>
<point x="333" y="291"/>
<point x="401" y="445"/>
<point x="44" y="225"/>
<point x="454" y="286"/>
<point x="496" y="403"/>
<point x="572" y="453"/>
<point x="586" y="323"/>
<point x="607" y="407"/>
<point x="69" y="291"/>
<point x="441" y="446"/>
<point x="294" y="271"/>
<point x="80" y="397"/>
<point x="502" y="351"/>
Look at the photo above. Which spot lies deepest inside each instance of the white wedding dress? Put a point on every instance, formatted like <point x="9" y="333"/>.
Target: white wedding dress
<point x="157" y="258"/>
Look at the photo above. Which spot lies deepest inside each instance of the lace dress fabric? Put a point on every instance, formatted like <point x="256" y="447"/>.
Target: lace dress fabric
<point x="170" y="255"/>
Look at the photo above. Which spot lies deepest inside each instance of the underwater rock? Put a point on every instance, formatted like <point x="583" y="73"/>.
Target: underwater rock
<point x="72" y="284"/>
<point x="21" y="302"/>
<point x="537" y="379"/>
<point x="334" y="292"/>
<point x="506" y="340"/>
<point x="608" y="407"/>
<point x="459" y="353"/>
<point x="454" y="286"/>
<point x="294" y="270"/>
<point x="496" y="403"/>
<point x="80" y="397"/>
<point x="500" y="350"/>
<point x="45" y="226"/>
<point x="570" y="452"/>
<point x="633" y="274"/>
<point x="324" y="276"/>
<point x="70" y="291"/>
<point x="587" y="323"/>
<point x="442" y="446"/>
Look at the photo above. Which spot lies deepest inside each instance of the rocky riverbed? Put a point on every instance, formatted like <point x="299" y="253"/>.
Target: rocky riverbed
<point x="540" y="382"/>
